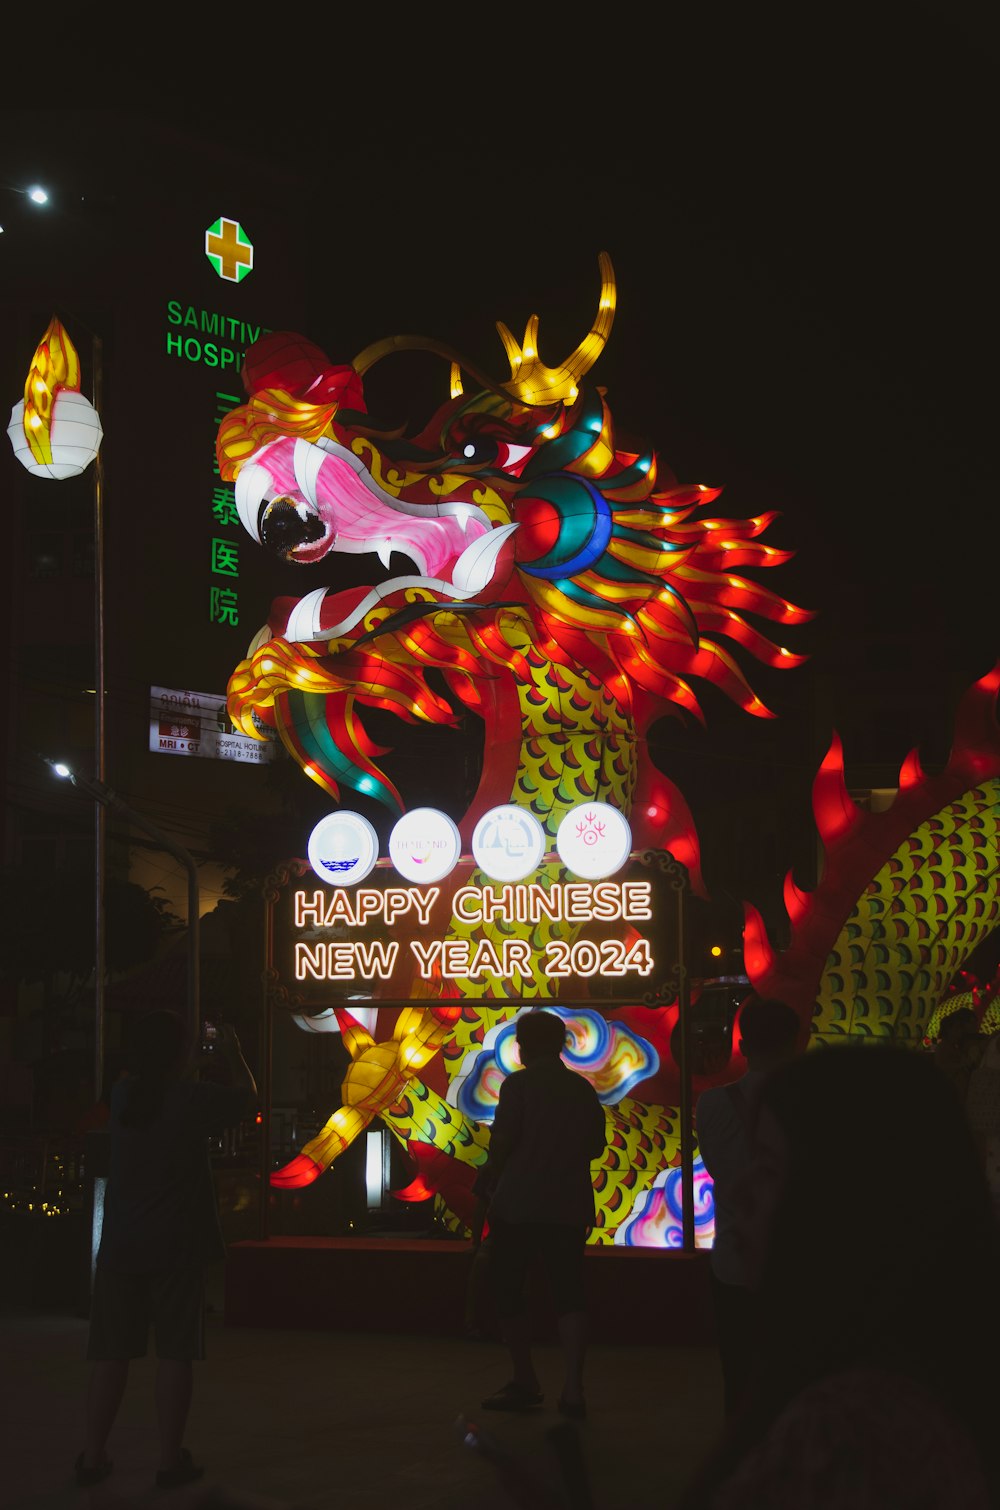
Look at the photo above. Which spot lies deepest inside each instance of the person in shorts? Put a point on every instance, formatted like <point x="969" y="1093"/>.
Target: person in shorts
<point x="725" y="1118"/>
<point x="160" y="1231"/>
<point x="548" y="1130"/>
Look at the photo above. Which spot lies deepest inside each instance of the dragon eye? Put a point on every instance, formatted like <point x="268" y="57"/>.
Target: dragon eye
<point x="482" y="448"/>
<point x="284" y="524"/>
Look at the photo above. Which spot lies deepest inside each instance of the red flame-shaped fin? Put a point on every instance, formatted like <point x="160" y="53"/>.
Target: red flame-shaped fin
<point x="911" y="772"/>
<point x="758" y="955"/>
<point x="976" y="723"/>
<point x="796" y="900"/>
<point x="837" y="815"/>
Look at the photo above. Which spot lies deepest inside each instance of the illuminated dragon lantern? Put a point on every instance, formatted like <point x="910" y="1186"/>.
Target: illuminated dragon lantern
<point x="906" y="898"/>
<point x="568" y="592"/>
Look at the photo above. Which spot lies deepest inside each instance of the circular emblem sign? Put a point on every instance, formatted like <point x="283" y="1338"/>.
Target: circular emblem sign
<point x="594" y="840"/>
<point x="508" y="843"/>
<point x="343" y="848"/>
<point x="425" y="845"/>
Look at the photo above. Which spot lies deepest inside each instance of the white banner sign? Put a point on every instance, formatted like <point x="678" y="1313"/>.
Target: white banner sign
<point x="196" y="723"/>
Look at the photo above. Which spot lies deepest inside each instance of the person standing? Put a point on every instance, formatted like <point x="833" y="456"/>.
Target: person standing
<point x="880" y="1311"/>
<point x="160" y="1231"/>
<point x="548" y="1130"/>
<point x="725" y="1118"/>
<point x="982" y="1109"/>
<point x="959" y="1048"/>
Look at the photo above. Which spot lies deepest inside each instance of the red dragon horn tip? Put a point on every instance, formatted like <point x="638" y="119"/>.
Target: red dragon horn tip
<point x="758" y="955"/>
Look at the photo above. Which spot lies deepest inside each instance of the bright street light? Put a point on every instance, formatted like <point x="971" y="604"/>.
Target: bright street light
<point x="38" y="195"/>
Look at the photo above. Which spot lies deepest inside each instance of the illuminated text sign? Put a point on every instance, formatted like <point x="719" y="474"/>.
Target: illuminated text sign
<point x="344" y="958"/>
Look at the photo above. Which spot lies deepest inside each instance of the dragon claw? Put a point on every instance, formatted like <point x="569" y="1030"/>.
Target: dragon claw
<point x="300" y="1171"/>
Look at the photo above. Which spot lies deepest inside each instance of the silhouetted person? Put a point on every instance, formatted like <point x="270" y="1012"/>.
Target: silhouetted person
<point x="958" y="1048"/>
<point x="982" y="1108"/>
<point x="871" y="1245"/>
<point x="160" y="1231"/>
<point x="548" y="1130"/>
<point x="477" y="1289"/>
<point x="725" y="1117"/>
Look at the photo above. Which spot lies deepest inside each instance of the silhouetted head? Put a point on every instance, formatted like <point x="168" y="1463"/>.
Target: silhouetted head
<point x="768" y="1029"/>
<point x="869" y="1223"/>
<point x="540" y="1035"/>
<point x="962" y="1023"/>
<point x="156" y="1044"/>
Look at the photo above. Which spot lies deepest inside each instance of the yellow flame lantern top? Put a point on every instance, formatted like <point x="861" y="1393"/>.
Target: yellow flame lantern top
<point x="55" y="431"/>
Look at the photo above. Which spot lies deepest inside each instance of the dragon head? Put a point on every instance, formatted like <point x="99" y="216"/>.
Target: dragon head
<point x="528" y="532"/>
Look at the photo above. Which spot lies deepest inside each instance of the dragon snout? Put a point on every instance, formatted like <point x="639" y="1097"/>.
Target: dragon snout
<point x="287" y="525"/>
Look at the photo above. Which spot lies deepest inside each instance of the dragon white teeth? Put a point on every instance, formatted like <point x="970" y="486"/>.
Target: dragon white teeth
<point x="303" y="621"/>
<point x="384" y="552"/>
<point x="262" y="636"/>
<point x="473" y="570"/>
<point x="307" y="460"/>
<point x="477" y="563"/>
<point x="462" y="514"/>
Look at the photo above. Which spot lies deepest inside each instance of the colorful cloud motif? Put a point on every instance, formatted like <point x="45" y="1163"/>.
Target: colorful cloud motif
<point x="657" y="1218"/>
<point x="612" y="1056"/>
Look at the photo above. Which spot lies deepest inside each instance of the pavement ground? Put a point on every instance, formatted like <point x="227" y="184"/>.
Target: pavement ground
<point x="299" y="1420"/>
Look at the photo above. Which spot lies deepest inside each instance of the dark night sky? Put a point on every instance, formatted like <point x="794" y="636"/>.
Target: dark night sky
<point x="798" y="224"/>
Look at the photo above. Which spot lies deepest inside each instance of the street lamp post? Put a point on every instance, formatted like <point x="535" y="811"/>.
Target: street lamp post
<point x="56" y="433"/>
<point x="100" y="756"/>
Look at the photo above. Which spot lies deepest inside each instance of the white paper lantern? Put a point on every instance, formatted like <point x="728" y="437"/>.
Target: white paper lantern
<point x="75" y="437"/>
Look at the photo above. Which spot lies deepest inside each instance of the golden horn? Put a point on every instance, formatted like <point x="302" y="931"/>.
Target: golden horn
<point x="530" y="380"/>
<point x="379" y="349"/>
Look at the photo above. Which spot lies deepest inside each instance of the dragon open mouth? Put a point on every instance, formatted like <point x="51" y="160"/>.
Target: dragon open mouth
<point x="304" y="500"/>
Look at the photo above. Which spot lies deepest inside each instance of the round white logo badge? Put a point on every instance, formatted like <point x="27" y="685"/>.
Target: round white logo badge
<point x="425" y="845"/>
<point x="508" y="843"/>
<point x="594" y="840"/>
<point x="343" y="848"/>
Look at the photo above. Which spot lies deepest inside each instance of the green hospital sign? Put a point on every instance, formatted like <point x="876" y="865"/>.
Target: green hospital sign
<point x="229" y="250"/>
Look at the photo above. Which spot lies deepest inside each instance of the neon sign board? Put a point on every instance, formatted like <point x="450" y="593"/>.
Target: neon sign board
<point x="451" y="958"/>
<point x="188" y="329"/>
<point x="506" y="919"/>
<point x="386" y="940"/>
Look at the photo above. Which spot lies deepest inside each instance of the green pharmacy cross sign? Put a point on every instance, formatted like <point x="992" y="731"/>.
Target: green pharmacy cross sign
<point x="229" y="250"/>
